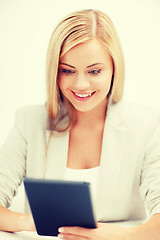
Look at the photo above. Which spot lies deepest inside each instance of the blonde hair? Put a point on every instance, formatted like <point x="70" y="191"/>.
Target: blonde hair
<point x="76" y="28"/>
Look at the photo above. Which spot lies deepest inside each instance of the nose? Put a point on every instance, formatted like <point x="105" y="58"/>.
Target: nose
<point x="82" y="83"/>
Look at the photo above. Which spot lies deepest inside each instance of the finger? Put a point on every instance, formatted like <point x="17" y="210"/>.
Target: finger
<point x="85" y="232"/>
<point x="71" y="237"/>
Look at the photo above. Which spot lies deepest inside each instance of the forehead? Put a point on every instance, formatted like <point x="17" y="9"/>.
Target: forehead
<point x="87" y="53"/>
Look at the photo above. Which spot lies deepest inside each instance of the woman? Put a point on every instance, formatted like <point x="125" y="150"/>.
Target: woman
<point x="87" y="131"/>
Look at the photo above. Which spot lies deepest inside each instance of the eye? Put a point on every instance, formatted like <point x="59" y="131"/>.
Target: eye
<point x="67" y="71"/>
<point x="95" y="72"/>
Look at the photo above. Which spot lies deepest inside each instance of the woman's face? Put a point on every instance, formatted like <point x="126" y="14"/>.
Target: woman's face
<point x="85" y="74"/>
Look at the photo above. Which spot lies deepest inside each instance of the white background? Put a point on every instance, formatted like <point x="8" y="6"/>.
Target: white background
<point x="25" y="29"/>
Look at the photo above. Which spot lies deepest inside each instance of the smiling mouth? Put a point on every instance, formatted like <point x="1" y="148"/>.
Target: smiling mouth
<point x="83" y="96"/>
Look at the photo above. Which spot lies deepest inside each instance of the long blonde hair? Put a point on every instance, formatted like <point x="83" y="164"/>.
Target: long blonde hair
<point x="76" y="28"/>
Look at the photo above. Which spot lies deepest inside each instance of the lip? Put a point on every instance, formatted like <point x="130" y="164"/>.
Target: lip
<point x="83" y="99"/>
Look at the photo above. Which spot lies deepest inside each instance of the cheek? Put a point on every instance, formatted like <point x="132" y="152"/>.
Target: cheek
<point x="64" y="86"/>
<point x="105" y="82"/>
<point x="65" y="82"/>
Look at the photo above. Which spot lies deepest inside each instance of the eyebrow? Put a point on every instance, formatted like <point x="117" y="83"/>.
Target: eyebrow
<point x="94" y="64"/>
<point x="67" y="65"/>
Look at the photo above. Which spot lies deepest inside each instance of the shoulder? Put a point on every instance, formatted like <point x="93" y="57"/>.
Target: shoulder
<point x="133" y="115"/>
<point x="33" y="109"/>
<point x="32" y="116"/>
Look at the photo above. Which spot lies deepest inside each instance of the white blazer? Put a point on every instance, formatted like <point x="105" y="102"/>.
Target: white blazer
<point x="129" y="181"/>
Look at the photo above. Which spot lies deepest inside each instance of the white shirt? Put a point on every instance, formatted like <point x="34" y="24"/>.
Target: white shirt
<point x="85" y="175"/>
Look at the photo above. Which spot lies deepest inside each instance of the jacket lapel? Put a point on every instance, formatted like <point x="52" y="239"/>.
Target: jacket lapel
<point x="111" y="156"/>
<point x="56" y="155"/>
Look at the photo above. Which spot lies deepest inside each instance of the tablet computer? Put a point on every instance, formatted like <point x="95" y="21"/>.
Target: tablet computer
<point x="57" y="203"/>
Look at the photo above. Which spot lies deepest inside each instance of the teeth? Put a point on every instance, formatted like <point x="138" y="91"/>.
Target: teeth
<point x="83" y="95"/>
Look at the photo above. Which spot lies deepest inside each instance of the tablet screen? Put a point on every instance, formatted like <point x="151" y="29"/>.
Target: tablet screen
<point x="57" y="203"/>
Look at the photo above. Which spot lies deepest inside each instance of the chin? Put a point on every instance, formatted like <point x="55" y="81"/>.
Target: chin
<point x="85" y="109"/>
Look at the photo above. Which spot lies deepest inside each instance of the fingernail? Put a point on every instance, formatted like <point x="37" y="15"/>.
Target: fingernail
<point x="60" y="236"/>
<point x="61" y="229"/>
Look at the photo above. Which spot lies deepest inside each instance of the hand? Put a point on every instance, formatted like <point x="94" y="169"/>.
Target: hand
<point x="104" y="231"/>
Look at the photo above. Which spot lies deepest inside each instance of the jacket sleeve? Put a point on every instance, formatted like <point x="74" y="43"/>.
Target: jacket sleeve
<point x="150" y="177"/>
<point x="12" y="160"/>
